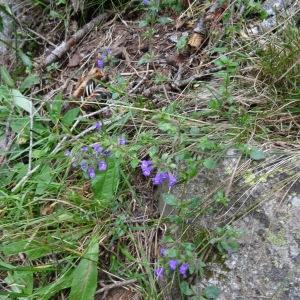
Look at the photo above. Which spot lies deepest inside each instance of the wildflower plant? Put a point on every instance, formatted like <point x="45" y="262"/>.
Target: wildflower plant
<point x="105" y="58"/>
<point x="89" y="159"/>
<point x="178" y="261"/>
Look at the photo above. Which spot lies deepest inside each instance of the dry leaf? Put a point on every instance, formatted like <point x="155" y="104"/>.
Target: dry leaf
<point x="122" y="294"/>
<point x="75" y="60"/>
<point x="94" y="73"/>
<point x="179" y="23"/>
<point x="196" y="40"/>
<point x="47" y="209"/>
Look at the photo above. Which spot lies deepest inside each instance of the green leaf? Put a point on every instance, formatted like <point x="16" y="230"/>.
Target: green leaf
<point x="146" y="58"/>
<point x="210" y="163"/>
<point x="21" y="282"/>
<point x="168" y="127"/>
<point x="20" y="100"/>
<point x="29" y="81"/>
<point x="143" y="23"/>
<point x="5" y="76"/>
<point x="185" y="289"/>
<point x="106" y="183"/>
<point x="55" y="108"/>
<point x="32" y="249"/>
<point x="212" y="292"/>
<point x="70" y="116"/>
<point x="164" y="20"/>
<point x="43" y="179"/>
<point x="172" y="253"/>
<point x="181" y="44"/>
<point x="85" y="275"/>
<point x="170" y="199"/>
<point x="49" y="291"/>
<point x="256" y="154"/>
<point x="25" y="59"/>
<point x="205" y="144"/>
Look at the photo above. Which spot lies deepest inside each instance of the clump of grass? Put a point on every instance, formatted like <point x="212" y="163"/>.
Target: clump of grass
<point x="279" y="59"/>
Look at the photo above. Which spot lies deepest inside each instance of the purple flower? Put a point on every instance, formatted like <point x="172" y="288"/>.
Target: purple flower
<point x="183" y="269"/>
<point x="173" y="263"/>
<point x="172" y="179"/>
<point x="98" y="125"/>
<point x="91" y="172"/>
<point x="100" y="63"/>
<point x="83" y="165"/>
<point x="159" y="272"/>
<point x="106" y="53"/>
<point x="122" y="140"/>
<point x="146" y="166"/>
<point x="97" y="148"/>
<point x="146" y="2"/>
<point x="106" y="153"/>
<point x="163" y="251"/>
<point x="84" y="148"/>
<point x="102" y="166"/>
<point x="160" y="177"/>
<point x="68" y="153"/>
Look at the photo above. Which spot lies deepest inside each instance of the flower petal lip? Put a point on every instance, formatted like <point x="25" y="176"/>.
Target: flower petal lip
<point x="98" y="125"/>
<point x="122" y="140"/>
<point x="183" y="269"/>
<point x="159" y="272"/>
<point x="173" y="263"/>
<point x="102" y="166"/>
<point x="91" y="172"/>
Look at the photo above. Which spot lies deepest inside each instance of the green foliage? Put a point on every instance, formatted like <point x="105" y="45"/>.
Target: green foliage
<point x="256" y="154"/>
<point x="279" y="60"/>
<point x="149" y="33"/>
<point x="185" y="289"/>
<point x="226" y="239"/>
<point x="30" y="81"/>
<point x="160" y="78"/>
<point x="85" y="275"/>
<point x="146" y="58"/>
<point x="106" y="184"/>
<point x="211" y="292"/>
<point x="58" y="205"/>
<point x="221" y="198"/>
<point x="6" y="78"/>
<point x="253" y="8"/>
<point x="181" y="43"/>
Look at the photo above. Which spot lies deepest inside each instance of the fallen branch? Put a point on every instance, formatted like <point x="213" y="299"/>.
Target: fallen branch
<point x="187" y="81"/>
<point x="116" y="284"/>
<point x="60" y="50"/>
<point x="179" y="84"/>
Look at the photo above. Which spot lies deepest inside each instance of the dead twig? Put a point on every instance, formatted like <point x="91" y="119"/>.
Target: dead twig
<point x="61" y="49"/>
<point x="9" y="138"/>
<point x="115" y="284"/>
<point x="179" y="84"/>
<point x="187" y="81"/>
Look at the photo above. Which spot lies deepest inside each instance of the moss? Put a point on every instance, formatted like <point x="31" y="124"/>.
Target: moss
<point x="277" y="239"/>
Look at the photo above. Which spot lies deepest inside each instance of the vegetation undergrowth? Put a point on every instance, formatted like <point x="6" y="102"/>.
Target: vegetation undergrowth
<point x="78" y="193"/>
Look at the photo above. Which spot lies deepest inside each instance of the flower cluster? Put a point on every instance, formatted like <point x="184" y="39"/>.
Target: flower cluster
<point x="103" y="58"/>
<point x="173" y="265"/>
<point x="160" y="177"/>
<point x="89" y="159"/>
<point x="92" y="158"/>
